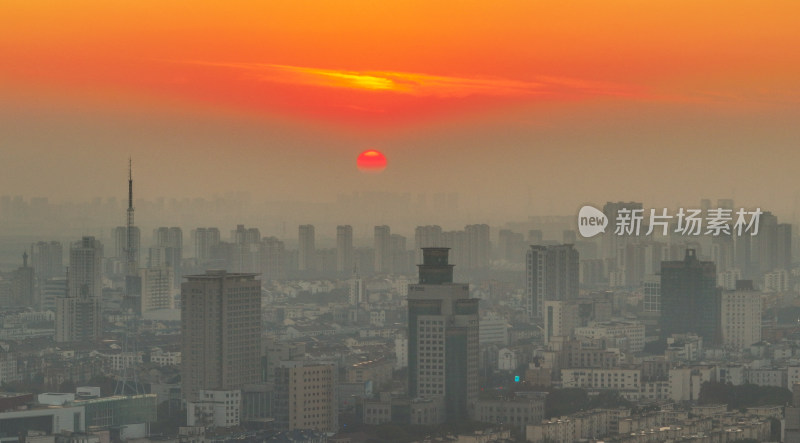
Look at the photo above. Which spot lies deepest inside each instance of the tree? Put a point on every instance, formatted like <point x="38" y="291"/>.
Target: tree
<point x="565" y="401"/>
<point x="609" y="400"/>
<point x="743" y="396"/>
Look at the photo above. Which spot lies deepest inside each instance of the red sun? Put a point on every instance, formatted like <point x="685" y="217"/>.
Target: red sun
<point x="371" y="160"/>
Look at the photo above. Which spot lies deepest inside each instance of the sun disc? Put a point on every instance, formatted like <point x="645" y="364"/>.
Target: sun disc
<point x="371" y="160"/>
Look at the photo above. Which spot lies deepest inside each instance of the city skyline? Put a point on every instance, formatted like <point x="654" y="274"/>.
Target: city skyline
<point x="557" y="97"/>
<point x="369" y="221"/>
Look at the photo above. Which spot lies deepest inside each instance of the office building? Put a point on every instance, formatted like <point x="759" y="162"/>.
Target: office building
<point x="383" y="251"/>
<point x="220" y="332"/>
<point x="273" y="258"/>
<point x="47" y="259"/>
<point x="20" y="290"/>
<point x="443" y="337"/>
<point x="78" y="313"/>
<point x="215" y="408"/>
<point x="551" y="273"/>
<point x="157" y="287"/>
<point x="307" y="250"/>
<point x="305" y="396"/>
<point x="344" y="249"/>
<point x="651" y="294"/>
<point x="204" y="240"/>
<point x="171" y="239"/>
<point x="689" y="298"/>
<point x="740" y="316"/>
<point x="478" y="246"/>
<point x="560" y="319"/>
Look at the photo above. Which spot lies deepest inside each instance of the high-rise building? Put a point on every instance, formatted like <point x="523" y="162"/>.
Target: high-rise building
<point x="51" y="290"/>
<point x="783" y="246"/>
<point x="651" y="293"/>
<point x="47" y="259"/>
<point x="157" y="286"/>
<point x="740" y="317"/>
<point x="478" y="246"/>
<point x="535" y="237"/>
<point x="358" y="290"/>
<point x="221" y="332"/>
<point x="85" y="268"/>
<point x="402" y="259"/>
<point x="307" y="250"/>
<point x="551" y="273"/>
<point x="560" y="319"/>
<point x="305" y="396"/>
<point x="383" y="249"/>
<point x="172" y="240"/>
<point x="442" y="337"/>
<point x="245" y="250"/>
<point x="205" y="240"/>
<point x="764" y="244"/>
<point x="344" y="249"/>
<point x="511" y="246"/>
<point x="612" y="242"/>
<point x="17" y="287"/>
<point x="689" y="298"/>
<point x="427" y="237"/>
<point x="273" y="258"/>
<point x="78" y="314"/>
<point x="459" y="249"/>
<point x="242" y="235"/>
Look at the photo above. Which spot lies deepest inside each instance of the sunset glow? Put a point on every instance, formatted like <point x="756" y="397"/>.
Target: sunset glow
<point x="242" y="56"/>
<point x="372" y="161"/>
<point x="545" y="83"/>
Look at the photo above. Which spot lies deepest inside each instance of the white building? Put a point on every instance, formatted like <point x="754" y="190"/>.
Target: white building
<point x="767" y="377"/>
<point x="626" y="381"/>
<point x="792" y="376"/>
<point x="400" y="352"/>
<point x="506" y="360"/>
<point x="116" y="362"/>
<point x="560" y="319"/>
<point x="215" y="408"/>
<point x="727" y="279"/>
<point x="777" y="281"/>
<point x="493" y="330"/>
<point x="157" y="284"/>
<point x="377" y="318"/>
<point x="651" y="292"/>
<point x="731" y="373"/>
<point x="627" y="335"/>
<point x="741" y="319"/>
<point x="685" y="382"/>
<point x="161" y="358"/>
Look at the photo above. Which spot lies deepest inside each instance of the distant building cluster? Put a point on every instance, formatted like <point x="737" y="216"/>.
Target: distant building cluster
<point x="251" y="336"/>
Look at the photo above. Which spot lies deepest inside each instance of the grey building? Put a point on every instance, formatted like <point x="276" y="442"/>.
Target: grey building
<point x="443" y="348"/>
<point x="220" y="332"/>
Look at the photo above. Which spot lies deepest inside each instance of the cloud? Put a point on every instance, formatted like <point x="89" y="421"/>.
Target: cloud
<point x="424" y="85"/>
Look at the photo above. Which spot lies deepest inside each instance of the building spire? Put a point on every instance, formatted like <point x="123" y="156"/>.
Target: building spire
<point x="130" y="246"/>
<point x="130" y="184"/>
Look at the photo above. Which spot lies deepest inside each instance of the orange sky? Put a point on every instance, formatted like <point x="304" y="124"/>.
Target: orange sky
<point x="385" y="73"/>
<point x="226" y="53"/>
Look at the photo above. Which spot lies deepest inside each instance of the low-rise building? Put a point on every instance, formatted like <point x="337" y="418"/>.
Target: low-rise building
<point x="520" y="411"/>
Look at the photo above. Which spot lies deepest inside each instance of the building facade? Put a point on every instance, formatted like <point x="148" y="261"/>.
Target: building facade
<point x="221" y="332"/>
<point x="689" y="298"/>
<point x="443" y="348"/>
<point x="551" y="273"/>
